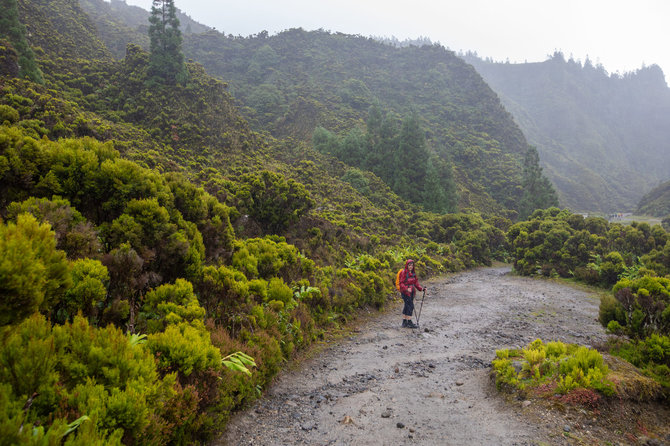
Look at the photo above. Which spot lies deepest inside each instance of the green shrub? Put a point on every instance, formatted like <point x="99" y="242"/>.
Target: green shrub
<point x="651" y="354"/>
<point x="611" y="310"/>
<point x="33" y="273"/>
<point x="184" y="348"/>
<point x="8" y="114"/>
<point x="569" y="366"/>
<point x="276" y="305"/>
<point x="77" y="368"/>
<point x="613" y="265"/>
<point x="88" y="290"/>
<point x="222" y="290"/>
<point x="171" y="304"/>
<point x="614" y="327"/>
<point x="279" y="291"/>
<point x="646" y="304"/>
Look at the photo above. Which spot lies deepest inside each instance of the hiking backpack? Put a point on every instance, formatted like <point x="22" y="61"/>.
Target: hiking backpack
<point x="397" y="279"/>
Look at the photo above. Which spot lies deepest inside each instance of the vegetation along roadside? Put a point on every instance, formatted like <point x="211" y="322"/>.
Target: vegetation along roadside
<point x="161" y="259"/>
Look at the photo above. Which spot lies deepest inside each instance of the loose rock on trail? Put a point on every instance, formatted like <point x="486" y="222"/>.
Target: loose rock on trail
<point x="387" y="385"/>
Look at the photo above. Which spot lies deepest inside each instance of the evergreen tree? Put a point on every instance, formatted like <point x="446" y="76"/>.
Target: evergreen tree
<point x="538" y="192"/>
<point x="410" y="159"/>
<point x="12" y="29"/>
<point x="382" y="144"/>
<point x="434" y="197"/>
<point x="439" y="190"/>
<point x="353" y="148"/>
<point x="167" y="60"/>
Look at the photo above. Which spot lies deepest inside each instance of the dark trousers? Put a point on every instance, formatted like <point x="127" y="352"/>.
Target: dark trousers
<point x="408" y="309"/>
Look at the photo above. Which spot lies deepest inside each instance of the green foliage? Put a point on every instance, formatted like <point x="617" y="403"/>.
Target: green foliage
<point x="12" y="29"/>
<point x="239" y="362"/>
<point x="399" y="157"/>
<point x="611" y="310"/>
<point x="88" y="291"/>
<point x="166" y="61"/>
<point x="8" y="114"/>
<point x="568" y="367"/>
<point x="279" y="291"/>
<point x="272" y="200"/>
<point x="74" y="234"/>
<point x="590" y="249"/>
<point x="538" y="192"/>
<point x="642" y="306"/>
<point x="222" y="290"/>
<point x="267" y="257"/>
<point x="33" y="273"/>
<point x="76" y="368"/>
<point x="171" y="304"/>
<point x="651" y="354"/>
<point x="184" y="348"/>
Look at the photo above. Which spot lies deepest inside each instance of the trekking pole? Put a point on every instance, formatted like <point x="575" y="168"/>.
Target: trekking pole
<point x="420" y="308"/>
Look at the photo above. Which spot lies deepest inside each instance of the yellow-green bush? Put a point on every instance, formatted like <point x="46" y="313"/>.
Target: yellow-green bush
<point x="566" y="366"/>
<point x="33" y="273"/>
<point x="171" y="304"/>
<point x="278" y="290"/>
<point x="184" y="348"/>
<point x="79" y="369"/>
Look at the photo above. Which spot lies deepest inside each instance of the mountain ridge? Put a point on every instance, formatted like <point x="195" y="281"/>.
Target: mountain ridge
<point x="290" y="83"/>
<point x="601" y="138"/>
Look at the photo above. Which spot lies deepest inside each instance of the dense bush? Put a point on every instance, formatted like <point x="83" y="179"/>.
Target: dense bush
<point x="652" y="355"/>
<point x="141" y="280"/>
<point x="68" y="371"/>
<point x="33" y="273"/>
<point x="641" y="306"/>
<point x="589" y="249"/>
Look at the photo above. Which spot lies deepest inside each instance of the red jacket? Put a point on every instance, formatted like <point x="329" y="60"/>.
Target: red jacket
<point x="407" y="279"/>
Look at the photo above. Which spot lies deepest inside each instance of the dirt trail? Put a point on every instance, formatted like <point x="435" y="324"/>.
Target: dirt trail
<point x="387" y="385"/>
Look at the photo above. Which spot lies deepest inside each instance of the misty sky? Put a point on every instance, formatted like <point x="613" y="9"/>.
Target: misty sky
<point x="622" y="35"/>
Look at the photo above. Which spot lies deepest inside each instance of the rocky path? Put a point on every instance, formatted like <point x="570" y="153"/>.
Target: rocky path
<point x="387" y="385"/>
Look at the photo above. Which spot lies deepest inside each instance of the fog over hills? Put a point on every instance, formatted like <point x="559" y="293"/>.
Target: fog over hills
<point x="604" y="140"/>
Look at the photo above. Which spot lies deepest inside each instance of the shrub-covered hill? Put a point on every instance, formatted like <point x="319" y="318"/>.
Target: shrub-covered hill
<point x="60" y="28"/>
<point x="147" y="234"/>
<point x="656" y="202"/>
<point x="150" y="240"/>
<point x="294" y="82"/>
<point x="120" y="24"/>
<point x="602" y="138"/>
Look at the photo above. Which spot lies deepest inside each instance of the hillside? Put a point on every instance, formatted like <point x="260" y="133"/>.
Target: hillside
<point x="656" y="202"/>
<point x="603" y="139"/>
<point x="119" y="24"/>
<point x="162" y="258"/>
<point x="69" y="34"/>
<point x="294" y="82"/>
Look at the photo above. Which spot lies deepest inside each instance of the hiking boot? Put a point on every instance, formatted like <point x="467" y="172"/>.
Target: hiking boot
<point x="411" y="324"/>
<point x="404" y="323"/>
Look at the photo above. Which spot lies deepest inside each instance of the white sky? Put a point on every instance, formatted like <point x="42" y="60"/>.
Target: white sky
<point x="622" y="35"/>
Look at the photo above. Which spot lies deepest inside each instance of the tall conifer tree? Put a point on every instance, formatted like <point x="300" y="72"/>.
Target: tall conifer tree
<point x="167" y="60"/>
<point x="538" y="192"/>
<point x="410" y="159"/>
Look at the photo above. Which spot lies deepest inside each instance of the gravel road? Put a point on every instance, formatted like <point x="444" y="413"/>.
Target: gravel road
<point x="387" y="385"/>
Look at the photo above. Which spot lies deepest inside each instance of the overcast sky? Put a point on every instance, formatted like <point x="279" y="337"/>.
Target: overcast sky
<point x="622" y="35"/>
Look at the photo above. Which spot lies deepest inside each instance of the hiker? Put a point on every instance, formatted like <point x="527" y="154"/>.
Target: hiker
<point x="408" y="283"/>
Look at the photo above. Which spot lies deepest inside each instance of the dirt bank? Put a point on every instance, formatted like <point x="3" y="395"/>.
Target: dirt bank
<point x="386" y="385"/>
